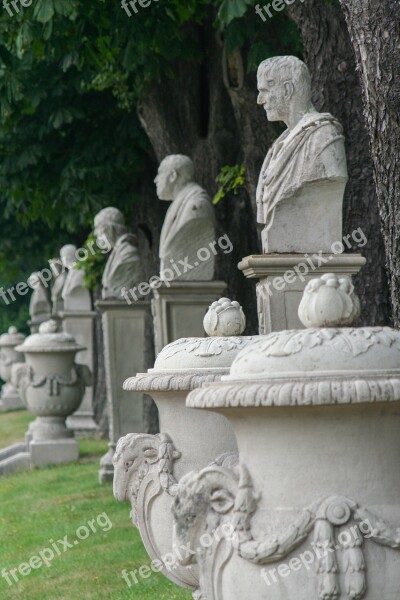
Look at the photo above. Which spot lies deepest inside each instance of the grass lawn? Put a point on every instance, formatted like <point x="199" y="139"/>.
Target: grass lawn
<point x="40" y="507"/>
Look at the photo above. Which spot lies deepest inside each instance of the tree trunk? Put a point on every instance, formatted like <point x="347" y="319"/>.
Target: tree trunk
<point x="374" y="27"/>
<point x="336" y="88"/>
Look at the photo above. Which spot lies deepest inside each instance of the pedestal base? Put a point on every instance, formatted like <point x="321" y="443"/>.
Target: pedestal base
<point x="283" y="278"/>
<point x="124" y="340"/>
<point x="9" y="399"/>
<point x="179" y="309"/>
<point x="53" y="452"/>
<point x="80" y="324"/>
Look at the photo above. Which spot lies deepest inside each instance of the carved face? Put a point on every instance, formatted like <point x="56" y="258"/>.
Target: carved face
<point x="134" y="454"/>
<point x="203" y="499"/>
<point x="165" y="181"/>
<point x="104" y="231"/>
<point x="274" y="96"/>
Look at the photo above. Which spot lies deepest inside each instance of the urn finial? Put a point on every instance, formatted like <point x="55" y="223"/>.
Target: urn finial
<point x="329" y="301"/>
<point x="224" y="318"/>
<point x="51" y="326"/>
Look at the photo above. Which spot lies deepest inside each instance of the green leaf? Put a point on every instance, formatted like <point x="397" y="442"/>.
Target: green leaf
<point x="232" y="9"/>
<point x="44" y="11"/>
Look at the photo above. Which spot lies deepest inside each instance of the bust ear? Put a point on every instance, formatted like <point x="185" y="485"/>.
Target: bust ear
<point x="289" y="89"/>
<point x="173" y="176"/>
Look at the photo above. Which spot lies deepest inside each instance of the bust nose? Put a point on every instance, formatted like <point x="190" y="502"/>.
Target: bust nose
<point x="260" y="98"/>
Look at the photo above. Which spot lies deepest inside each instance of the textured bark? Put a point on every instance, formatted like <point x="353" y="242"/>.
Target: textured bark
<point x="337" y="90"/>
<point x="374" y="27"/>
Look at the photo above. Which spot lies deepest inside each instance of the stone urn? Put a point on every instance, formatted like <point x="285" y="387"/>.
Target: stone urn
<point x="313" y="507"/>
<point x="10" y="399"/>
<point x="148" y="467"/>
<point x="52" y="386"/>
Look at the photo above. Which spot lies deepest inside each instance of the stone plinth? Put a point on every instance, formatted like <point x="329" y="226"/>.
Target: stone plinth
<point x="80" y="324"/>
<point x="10" y="398"/>
<point x="124" y="341"/>
<point x="179" y="308"/>
<point x="283" y="278"/>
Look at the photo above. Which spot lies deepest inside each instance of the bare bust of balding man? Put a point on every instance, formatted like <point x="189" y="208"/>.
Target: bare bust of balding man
<point x="189" y="224"/>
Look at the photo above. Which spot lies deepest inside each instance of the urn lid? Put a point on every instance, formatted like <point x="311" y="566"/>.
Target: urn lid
<point x="187" y="362"/>
<point x="12" y="338"/>
<point x="50" y="339"/>
<point x="224" y="322"/>
<point x="322" y="364"/>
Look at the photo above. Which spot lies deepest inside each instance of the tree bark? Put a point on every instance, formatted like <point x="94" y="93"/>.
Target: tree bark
<point x="374" y="27"/>
<point x="336" y="88"/>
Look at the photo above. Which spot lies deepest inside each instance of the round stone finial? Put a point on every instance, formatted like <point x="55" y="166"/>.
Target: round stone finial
<point x="224" y="318"/>
<point x="50" y="326"/>
<point x="329" y="301"/>
<point x="12" y="330"/>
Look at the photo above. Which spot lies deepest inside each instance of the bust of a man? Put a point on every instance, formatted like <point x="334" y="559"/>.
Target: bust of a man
<point x="189" y="224"/>
<point x="302" y="181"/>
<point x="39" y="305"/>
<point x="123" y="268"/>
<point x="74" y="294"/>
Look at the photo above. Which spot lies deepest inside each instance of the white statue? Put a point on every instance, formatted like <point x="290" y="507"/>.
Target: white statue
<point x="189" y="224"/>
<point x="302" y="181"/>
<point x="39" y="305"/>
<point x="74" y="293"/>
<point x="60" y="276"/>
<point x="123" y="268"/>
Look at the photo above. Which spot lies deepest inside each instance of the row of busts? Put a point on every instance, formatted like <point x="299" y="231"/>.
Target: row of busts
<point x="189" y="226"/>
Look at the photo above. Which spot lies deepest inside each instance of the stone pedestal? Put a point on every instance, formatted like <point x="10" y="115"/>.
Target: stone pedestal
<point x="179" y="308"/>
<point x="124" y="341"/>
<point x="283" y="278"/>
<point x="10" y="398"/>
<point x="80" y="324"/>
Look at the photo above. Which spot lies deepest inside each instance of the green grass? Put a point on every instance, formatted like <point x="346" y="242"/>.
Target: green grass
<point x="13" y="426"/>
<point x="40" y="506"/>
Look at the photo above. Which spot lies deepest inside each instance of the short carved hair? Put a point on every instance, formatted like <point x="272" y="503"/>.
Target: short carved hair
<point x="112" y="217"/>
<point x="288" y="68"/>
<point x="182" y="164"/>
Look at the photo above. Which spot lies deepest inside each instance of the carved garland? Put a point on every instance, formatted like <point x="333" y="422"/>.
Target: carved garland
<point x="323" y="518"/>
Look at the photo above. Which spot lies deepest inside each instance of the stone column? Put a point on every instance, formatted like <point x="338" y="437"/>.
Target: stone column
<point x="124" y="340"/>
<point x="80" y="324"/>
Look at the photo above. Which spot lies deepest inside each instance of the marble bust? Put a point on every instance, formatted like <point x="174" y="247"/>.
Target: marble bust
<point x="123" y="268"/>
<point x="302" y="181"/>
<point x="189" y="224"/>
<point x="74" y="294"/>
<point x="60" y="275"/>
<point x="39" y="305"/>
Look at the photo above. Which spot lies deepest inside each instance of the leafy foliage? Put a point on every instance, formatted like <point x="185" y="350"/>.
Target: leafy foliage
<point x="231" y="179"/>
<point x="93" y="264"/>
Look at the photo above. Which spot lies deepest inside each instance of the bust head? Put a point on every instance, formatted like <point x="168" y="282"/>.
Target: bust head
<point x="174" y="172"/>
<point x="109" y="224"/>
<point x="284" y="86"/>
<point x="68" y="256"/>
